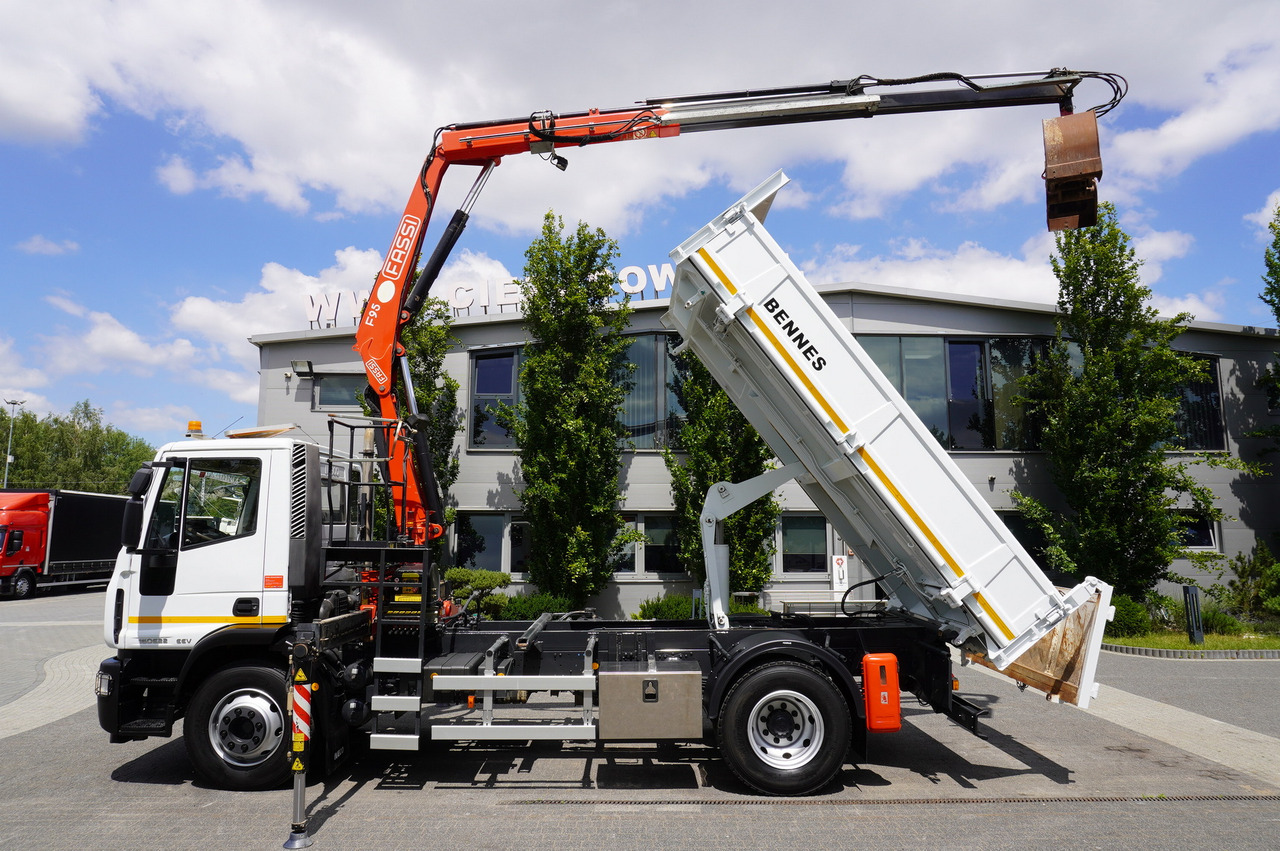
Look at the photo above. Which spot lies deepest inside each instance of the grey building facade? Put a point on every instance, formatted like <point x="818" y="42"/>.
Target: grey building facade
<point x="954" y="358"/>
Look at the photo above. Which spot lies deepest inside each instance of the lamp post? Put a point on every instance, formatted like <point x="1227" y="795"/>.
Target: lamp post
<point x="8" y="453"/>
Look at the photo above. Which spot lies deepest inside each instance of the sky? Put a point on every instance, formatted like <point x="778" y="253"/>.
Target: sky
<point x="177" y="177"/>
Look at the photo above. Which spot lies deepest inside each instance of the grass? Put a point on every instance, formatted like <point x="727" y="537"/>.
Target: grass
<point x="1178" y="641"/>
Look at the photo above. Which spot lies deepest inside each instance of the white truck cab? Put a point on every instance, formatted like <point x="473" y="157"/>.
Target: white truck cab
<point x="213" y="542"/>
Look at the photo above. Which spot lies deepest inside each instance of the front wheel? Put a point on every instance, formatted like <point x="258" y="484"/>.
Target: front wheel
<point x="24" y="585"/>
<point x="235" y="728"/>
<point x="784" y="729"/>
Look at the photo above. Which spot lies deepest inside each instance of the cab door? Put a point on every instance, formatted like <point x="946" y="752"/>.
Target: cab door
<point x="203" y="553"/>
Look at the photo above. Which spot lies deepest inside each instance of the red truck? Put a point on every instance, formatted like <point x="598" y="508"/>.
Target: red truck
<point x="57" y="537"/>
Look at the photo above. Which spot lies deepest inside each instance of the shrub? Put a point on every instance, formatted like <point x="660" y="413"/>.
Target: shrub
<point x="527" y="607"/>
<point x="676" y="607"/>
<point x="1216" y="621"/>
<point x="1131" y="618"/>
<point x="1165" y="612"/>
<point x="466" y="580"/>
<point x="1257" y="580"/>
<point x="672" y="607"/>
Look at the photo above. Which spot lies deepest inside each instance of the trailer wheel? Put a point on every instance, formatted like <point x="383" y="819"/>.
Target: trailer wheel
<point x="235" y="728"/>
<point x="24" y="585"/>
<point x="784" y="729"/>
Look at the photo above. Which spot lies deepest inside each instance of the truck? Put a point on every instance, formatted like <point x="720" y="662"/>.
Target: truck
<point x="54" y="538"/>
<point x="278" y="639"/>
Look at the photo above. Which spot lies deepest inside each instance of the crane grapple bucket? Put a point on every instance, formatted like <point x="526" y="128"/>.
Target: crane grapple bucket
<point x="1072" y="168"/>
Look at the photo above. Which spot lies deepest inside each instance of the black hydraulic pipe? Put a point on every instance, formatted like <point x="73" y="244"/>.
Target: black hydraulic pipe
<point x="427" y="277"/>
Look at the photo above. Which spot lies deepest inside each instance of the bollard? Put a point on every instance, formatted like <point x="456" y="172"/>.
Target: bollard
<point x="1195" y="627"/>
<point x="300" y="692"/>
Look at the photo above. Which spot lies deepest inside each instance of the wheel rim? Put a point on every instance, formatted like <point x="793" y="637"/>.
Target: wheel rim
<point x="246" y="727"/>
<point x="22" y="586"/>
<point x="785" y="729"/>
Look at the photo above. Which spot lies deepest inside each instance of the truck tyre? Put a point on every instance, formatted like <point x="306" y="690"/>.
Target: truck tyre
<point x="235" y="728"/>
<point x="784" y="729"/>
<point x="24" y="585"/>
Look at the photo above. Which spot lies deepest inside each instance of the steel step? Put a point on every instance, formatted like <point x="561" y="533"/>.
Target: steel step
<point x="396" y="665"/>
<point x="395" y="703"/>
<point x="528" y="682"/>
<point x="514" y="732"/>
<point x="393" y="741"/>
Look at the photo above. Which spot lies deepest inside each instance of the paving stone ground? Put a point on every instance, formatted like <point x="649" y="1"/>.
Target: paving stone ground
<point x="1169" y="757"/>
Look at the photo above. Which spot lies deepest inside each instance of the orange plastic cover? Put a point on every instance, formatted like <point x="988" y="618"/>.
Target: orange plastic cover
<point x="881" y="693"/>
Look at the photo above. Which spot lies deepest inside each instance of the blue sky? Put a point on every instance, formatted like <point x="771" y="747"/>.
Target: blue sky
<point x="178" y="177"/>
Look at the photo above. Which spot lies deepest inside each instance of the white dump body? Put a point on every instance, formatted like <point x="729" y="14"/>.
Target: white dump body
<point x="869" y="463"/>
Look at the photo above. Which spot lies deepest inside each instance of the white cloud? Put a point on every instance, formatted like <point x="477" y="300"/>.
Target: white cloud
<point x="15" y="377"/>
<point x="108" y="345"/>
<point x="468" y="269"/>
<point x="970" y="269"/>
<point x="280" y="302"/>
<point x="1264" y="216"/>
<point x="34" y="403"/>
<point x="178" y="177"/>
<point x="285" y="100"/>
<point x="1206" y="306"/>
<point x="39" y="244"/>
<point x="163" y="419"/>
<point x="1154" y="248"/>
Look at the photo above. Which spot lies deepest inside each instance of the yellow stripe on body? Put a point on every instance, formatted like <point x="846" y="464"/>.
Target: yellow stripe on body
<point x="932" y="538"/>
<point x="777" y="345"/>
<point x="233" y="621"/>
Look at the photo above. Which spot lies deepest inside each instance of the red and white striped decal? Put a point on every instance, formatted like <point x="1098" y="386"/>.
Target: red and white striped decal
<point x="302" y="710"/>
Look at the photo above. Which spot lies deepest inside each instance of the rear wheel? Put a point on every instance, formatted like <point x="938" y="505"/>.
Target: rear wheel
<point x="784" y="729"/>
<point x="235" y="728"/>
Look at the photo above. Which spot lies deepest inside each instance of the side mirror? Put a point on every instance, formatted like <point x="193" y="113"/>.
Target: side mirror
<point x="131" y="527"/>
<point x="141" y="481"/>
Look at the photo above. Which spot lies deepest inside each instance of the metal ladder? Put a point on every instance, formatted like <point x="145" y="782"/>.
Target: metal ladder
<point x="397" y="716"/>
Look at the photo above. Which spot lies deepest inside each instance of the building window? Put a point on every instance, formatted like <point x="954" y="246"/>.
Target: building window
<point x="1199" y="416"/>
<point x="968" y="397"/>
<point x="495" y="381"/>
<point x="491" y="541"/>
<point x="1196" y="532"/>
<point x="962" y="389"/>
<point x="337" y="391"/>
<point x="658" y="553"/>
<point x="650" y="410"/>
<point x="804" y="543"/>
<point x="1009" y="360"/>
<point x="478" y="540"/>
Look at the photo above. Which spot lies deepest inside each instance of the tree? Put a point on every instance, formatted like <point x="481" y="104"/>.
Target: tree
<point x="567" y="425"/>
<point x="1105" y="397"/>
<point x="715" y="443"/>
<point x="426" y="341"/>
<point x="1271" y="258"/>
<point x="1271" y="295"/>
<point x="76" y="452"/>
